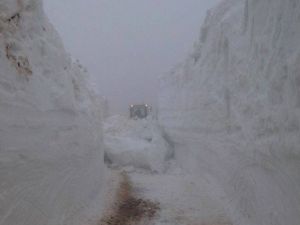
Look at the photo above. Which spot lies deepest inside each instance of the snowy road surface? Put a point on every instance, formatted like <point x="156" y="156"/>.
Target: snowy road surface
<point x="182" y="200"/>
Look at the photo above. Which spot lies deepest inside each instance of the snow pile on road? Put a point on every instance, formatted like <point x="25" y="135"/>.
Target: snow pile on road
<point x="233" y="109"/>
<point x="136" y="143"/>
<point x="51" y="153"/>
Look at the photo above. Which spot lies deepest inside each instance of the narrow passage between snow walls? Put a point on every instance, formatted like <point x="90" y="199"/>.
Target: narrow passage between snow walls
<point x="225" y="150"/>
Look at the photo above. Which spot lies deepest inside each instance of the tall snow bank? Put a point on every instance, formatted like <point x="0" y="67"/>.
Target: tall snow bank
<point x="135" y="143"/>
<point x="50" y="139"/>
<point x="233" y="108"/>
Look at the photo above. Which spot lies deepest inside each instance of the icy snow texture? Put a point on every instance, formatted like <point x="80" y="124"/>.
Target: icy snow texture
<point x="135" y="143"/>
<point x="50" y="138"/>
<point x="233" y="108"/>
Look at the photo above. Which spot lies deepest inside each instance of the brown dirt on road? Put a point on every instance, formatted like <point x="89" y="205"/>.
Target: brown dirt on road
<point x="129" y="210"/>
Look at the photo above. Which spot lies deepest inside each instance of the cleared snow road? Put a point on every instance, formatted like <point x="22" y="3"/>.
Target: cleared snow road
<point x="181" y="200"/>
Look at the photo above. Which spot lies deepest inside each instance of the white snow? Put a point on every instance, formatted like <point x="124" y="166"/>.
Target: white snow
<point x="232" y="109"/>
<point x="182" y="199"/>
<point x="51" y="152"/>
<point x="136" y="143"/>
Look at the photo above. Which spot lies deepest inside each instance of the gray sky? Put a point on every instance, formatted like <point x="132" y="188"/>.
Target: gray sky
<point x="127" y="44"/>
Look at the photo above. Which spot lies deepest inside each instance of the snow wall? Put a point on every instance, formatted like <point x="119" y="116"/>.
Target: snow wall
<point x="51" y="159"/>
<point x="232" y="108"/>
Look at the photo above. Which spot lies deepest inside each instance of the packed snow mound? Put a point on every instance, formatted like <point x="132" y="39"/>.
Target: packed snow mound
<point x="51" y="153"/>
<point x="232" y="108"/>
<point x="135" y="143"/>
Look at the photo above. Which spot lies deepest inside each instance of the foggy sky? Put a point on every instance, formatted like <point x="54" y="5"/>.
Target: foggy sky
<point x="127" y="44"/>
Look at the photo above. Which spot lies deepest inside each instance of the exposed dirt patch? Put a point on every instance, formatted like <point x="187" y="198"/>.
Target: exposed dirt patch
<point x="129" y="209"/>
<point x="21" y="63"/>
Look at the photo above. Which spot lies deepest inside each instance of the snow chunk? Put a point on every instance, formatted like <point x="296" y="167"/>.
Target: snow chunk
<point x="137" y="143"/>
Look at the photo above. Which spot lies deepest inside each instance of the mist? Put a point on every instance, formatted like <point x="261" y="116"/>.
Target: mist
<point x="222" y="146"/>
<point x="127" y="45"/>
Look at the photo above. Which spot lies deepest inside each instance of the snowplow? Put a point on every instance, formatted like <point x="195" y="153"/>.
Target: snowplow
<point x="139" y="111"/>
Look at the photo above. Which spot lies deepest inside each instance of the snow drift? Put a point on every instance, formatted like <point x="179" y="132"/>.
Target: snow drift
<point x="135" y="143"/>
<point x="51" y="159"/>
<point x="233" y="108"/>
